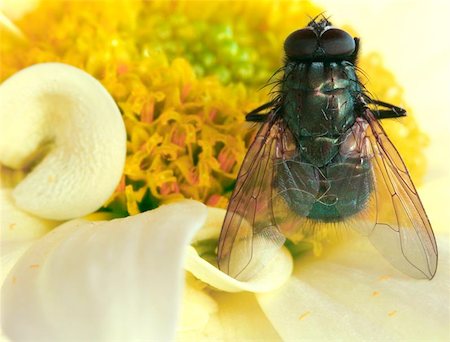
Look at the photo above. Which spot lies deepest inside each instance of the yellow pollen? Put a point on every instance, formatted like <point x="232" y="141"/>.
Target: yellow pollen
<point x="384" y="277"/>
<point x="34" y="266"/>
<point x="304" y="315"/>
<point x="12" y="226"/>
<point x="392" y="313"/>
<point x="375" y="293"/>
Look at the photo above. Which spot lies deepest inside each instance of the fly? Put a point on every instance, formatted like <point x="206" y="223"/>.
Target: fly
<point x="321" y="158"/>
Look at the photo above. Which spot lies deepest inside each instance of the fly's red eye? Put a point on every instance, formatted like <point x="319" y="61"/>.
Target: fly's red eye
<point x="300" y="43"/>
<point x="336" y="42"/>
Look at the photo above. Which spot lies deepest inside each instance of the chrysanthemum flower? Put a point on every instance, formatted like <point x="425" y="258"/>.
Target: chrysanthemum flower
<point x="183" y="75"/>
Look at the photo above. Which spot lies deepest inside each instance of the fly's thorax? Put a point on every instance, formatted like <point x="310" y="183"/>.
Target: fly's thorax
<point x="319" y="106"/>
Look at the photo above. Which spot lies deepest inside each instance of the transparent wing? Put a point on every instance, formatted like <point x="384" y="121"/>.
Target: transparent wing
<point x="395" y="220"/>
<point x="277" y="195"/>
<point x="253" y="227"/>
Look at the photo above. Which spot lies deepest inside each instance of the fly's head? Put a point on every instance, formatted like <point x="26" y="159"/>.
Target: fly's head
<point x="320" y="41"/>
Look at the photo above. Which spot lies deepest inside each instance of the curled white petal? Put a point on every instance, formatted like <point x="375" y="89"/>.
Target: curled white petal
<point x="275" y="274"/>
<point x="118" y="280"/>
<point x="65" y="118"/>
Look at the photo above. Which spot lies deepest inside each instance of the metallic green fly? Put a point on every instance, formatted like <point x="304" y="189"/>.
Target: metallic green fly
<point x="321" y="160"/>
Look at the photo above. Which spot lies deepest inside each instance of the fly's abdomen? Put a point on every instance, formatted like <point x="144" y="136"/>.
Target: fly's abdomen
<point x="328" y="194"/>
<point x="344" y="191"/>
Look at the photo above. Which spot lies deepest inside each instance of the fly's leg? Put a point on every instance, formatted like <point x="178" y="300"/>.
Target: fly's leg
<point x="390" y="112"/>
<point x="255" y="116"/>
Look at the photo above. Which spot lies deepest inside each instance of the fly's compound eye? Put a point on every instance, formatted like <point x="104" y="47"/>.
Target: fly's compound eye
<point x="336" y="42"/>
<point x="300" y="43"/>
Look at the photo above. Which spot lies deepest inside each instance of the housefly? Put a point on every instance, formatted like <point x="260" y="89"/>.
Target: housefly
<point x="321" y="160"/>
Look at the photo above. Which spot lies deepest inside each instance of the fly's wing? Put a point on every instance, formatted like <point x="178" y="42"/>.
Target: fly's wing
<point x="395" y="220"/>
<point x="249" y="235"/>
<point x="252" y="229"/>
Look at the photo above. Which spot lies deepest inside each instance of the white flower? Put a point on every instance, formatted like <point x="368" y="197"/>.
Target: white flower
<point x="123" y="280"/>
<point x="119" y="279"/>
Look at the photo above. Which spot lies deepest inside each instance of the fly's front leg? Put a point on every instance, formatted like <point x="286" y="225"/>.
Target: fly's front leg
<point x="389" y="112"/>
<point x="255" y="116"/>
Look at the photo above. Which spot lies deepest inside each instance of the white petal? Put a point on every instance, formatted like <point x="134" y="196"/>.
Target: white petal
<point x="351" y="293"/>
<point x="242" y="318"/>
<point x="119" y="280"/>
<point x="275" y="274"/>
<point x="17" y="224"/>
<point x="11" y="251"/>
<point x="197" y="306"/>
<point x="18" y="231"/>
<point x="219" y="316"/>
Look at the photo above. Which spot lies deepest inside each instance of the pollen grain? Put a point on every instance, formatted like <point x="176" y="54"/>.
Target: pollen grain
<point x="392" y="313"/>
<point x="304" y="315"/>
